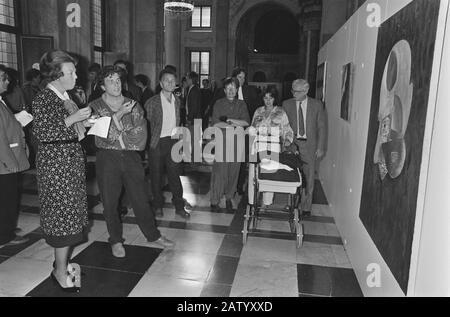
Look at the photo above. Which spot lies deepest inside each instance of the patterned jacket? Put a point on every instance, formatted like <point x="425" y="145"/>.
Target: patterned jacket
<point x="154" y="111"/>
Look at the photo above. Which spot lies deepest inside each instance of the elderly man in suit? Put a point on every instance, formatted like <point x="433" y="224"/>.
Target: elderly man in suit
<point x="163" y="114"/>
<point x="307" y="117"/>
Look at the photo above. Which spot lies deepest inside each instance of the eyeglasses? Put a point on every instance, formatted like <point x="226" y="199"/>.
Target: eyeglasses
<point x="299" y="91"/>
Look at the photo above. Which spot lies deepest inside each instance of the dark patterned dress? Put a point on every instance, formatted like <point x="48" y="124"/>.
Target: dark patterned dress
<point x="60" y="173"/>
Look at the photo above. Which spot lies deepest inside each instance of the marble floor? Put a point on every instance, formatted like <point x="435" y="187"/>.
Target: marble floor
<point x="209" y="259"/>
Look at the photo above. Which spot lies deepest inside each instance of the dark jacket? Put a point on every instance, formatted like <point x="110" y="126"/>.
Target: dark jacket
<point x="146" y="95"/>
<point x="13" y="156"/>
<point x="194" y="104"/>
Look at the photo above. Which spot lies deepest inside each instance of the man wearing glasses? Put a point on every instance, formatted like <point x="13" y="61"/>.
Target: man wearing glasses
<point x="307" y="118"/>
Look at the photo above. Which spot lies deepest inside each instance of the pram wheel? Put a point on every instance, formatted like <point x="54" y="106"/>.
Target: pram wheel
<point x="246" y="224"/>
<point x="298" y="229"/>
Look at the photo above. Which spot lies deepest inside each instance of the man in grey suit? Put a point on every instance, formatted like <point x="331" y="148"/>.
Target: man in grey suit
<point x="307" y="117"/>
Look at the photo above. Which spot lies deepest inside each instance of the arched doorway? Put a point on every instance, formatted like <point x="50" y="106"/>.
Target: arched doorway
<point x="259" y="77"/>
<point x="267" y="41"/>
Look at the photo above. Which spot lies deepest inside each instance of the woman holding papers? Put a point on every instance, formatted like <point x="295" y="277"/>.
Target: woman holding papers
<point x="13" y="160"/>
<point x="59" y="126"/>
<point x="119" y="163"/>
<point x="271" y="121"/>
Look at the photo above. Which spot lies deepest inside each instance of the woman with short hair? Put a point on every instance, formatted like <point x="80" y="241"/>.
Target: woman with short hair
<point x="229" y="113"/>
<point x="59" y="126"/>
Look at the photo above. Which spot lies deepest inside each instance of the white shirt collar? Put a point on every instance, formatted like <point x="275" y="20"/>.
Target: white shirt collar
<point x="63" y="97"/>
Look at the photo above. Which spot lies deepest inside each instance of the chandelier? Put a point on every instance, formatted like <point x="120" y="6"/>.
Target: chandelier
<point x="179" y="9"/>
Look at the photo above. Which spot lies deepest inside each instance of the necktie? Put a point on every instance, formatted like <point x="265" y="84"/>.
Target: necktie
<point x="301" y="121"/>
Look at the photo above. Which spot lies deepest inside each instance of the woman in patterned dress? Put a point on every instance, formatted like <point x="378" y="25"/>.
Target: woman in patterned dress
<point x="59" y="126"/>
<point x="271" y="120"/>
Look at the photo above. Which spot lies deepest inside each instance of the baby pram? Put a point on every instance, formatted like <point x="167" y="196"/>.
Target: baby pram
<point x="271" y="176"/>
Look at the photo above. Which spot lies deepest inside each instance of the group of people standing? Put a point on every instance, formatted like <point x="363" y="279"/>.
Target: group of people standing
<point x="139" y="121"/>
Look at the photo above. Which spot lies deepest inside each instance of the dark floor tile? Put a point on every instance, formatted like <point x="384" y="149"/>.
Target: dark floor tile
<point x="93" y="201"/>
<point x="273" y="235"/>
<point x="231" y="246"/>
<point x="29" y="191"/>
<point x="186" y="225"/>
<point x="14" y="250"/>
<point x="94" y="283"/>
<point x="345" y="284"/>
<point x="314" y="280"/>
<point x="319" y="197"/>
<point x="3" y="258"/>
<point x="320" y="219"/>
<point x="29" y="210"/>
<point x="98" y="255"/>
<point x="327" y="281"/>
<point x="216" y="290"/>
<point x="237" y="224"/>
<point x="224" y="270"/>
<point x="323" y="239"/>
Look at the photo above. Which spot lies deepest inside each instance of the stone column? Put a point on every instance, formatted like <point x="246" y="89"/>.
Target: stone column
<point x="172" y="41"/>
<point x="310" y="19"/>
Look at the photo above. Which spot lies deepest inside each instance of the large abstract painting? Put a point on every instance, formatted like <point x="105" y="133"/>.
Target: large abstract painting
<point x="321" y="82"/>
<point x="403" y="67"/>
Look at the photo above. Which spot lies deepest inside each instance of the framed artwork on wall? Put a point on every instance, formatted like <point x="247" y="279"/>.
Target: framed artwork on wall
<point x="347" y="91"/>
<point x="321" y="82"/>
<point x="33" y="48"/>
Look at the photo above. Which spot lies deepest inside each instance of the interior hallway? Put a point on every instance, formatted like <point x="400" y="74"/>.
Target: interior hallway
<point x="208" y="260"/>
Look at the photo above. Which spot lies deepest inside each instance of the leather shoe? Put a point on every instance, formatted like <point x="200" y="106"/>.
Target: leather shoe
<point x="118" y="250"/>
<point x="229" y="205"/>
<point x="16" y="241"/>
<point x="159" y="212"/>
<point x="306" y="214"/>
<point x="70" y="282"/>
<point x="164" y="242"/>
<point x="183" y="213"/>
<point x="215" y="208"/>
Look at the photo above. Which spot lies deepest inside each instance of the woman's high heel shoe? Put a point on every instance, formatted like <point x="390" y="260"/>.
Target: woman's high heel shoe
<point x="70" y="289"/>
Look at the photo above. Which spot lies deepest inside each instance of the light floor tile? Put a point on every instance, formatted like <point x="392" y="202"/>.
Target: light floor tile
<point x="169" y="233"/>
<point x="321" y="210"/>
<point x="315" y="228"/>
<point x="191" y="241"/>
<point x="269" y="250"/>
<point x="18" y="276"/>
<point x="198" y="217"/>
<point x="40" y="251"/>
<point x="28" y="222"/>
<point x="183" y="265"/>
<point x="256" y="278"/>
<point x="341" y="257"/>
<point x="131" y="233"/>
<point x="273" y="225"/>
<point x="29" y="200"/>
<point x="164" y="286"/>
<point x="96" y="231"/>
<point x="319" y="255"/>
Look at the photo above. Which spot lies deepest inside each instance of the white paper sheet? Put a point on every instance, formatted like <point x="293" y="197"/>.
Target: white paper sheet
<point x="24" y="118"/>
<point x="101" y="127"/>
